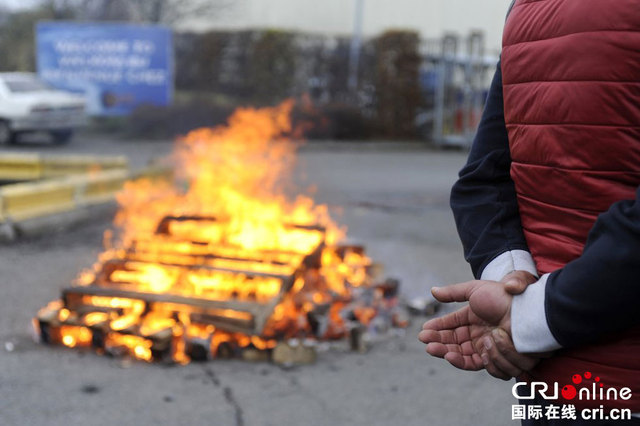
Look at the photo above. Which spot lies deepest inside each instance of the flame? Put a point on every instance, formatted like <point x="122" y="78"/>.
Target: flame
<point x="94" y="318"/>
<point x="237" y="174"/>
<point x="73" y="336"/>
<point x="224" y="230"/>
<point x="137" y="346"/>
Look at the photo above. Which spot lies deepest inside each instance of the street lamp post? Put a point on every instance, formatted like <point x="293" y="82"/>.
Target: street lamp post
<point x="354" y="51"/>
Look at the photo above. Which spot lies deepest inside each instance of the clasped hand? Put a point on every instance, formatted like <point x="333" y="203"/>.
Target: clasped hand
<point x="478" y="335"/>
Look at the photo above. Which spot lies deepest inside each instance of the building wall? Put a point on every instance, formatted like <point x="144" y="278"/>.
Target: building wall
<point x="430" y="17"/>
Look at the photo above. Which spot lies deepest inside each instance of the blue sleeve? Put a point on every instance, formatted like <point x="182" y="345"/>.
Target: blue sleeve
<point x="483" y="199"/>
<point x="599" y="292"/>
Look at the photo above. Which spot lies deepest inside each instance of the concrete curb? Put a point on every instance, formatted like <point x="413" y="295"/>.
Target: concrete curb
<point x="36" y="207"/>
<point x="23" y="201"/>
<point x="58" y="222"/>
<point x="29" y="166"/>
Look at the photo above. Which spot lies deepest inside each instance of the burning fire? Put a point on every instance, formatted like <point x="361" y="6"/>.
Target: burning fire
<point x="221" y="259"/>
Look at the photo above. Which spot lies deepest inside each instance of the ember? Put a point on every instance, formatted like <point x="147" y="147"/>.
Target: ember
<point x="221" y="263"/>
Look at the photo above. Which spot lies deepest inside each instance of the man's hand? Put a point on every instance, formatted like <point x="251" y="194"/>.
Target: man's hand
<point x="477" y="336"/>
<point x="516" y="282"/>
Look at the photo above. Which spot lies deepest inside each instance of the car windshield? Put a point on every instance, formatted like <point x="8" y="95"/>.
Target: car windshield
<point x="23" y="85"/>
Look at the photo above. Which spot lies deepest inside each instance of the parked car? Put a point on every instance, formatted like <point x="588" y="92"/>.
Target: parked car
<point x="28" y="104"/>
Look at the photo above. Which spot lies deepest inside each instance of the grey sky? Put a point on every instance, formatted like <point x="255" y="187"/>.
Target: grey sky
<point x="17" y="4"/>
<point x="430" y="17"/>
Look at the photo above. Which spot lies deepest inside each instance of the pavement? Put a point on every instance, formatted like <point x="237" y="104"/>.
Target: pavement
<point x="393" y="199"/>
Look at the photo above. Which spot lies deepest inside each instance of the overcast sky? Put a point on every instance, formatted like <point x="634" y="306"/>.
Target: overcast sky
<point x="430" y="17"/>
<point x="17" y="4"/>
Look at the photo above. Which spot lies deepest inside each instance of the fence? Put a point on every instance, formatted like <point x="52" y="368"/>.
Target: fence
<point x="407" y="87"/>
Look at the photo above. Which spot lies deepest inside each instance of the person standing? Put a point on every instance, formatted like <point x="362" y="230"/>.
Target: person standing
<point x="549" y="200"/>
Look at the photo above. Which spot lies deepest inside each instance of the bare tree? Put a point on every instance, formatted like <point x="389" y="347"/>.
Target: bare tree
<point x="167" y="12"/>
<point x="174" y="11"/>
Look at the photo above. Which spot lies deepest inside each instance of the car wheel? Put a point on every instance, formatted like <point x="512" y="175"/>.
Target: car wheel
<point x="61" y="137"/>
<point x="6" y="135"/>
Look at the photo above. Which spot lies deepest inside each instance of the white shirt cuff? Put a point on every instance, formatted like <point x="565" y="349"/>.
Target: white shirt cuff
<point x="509" y="261"/>
<point x="529" y="328"/>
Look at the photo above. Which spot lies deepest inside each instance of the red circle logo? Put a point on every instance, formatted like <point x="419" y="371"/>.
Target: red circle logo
<point x="577" y="379"/>
<point x="569" y="392"/>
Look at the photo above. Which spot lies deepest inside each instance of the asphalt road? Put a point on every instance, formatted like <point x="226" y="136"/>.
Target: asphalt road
<point x="395" y="201"/>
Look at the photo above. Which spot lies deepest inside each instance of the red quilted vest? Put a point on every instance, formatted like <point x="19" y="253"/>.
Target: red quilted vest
<point x="571" y="83"/>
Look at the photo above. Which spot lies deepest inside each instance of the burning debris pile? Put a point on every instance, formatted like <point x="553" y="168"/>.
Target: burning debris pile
<point x="221" y="264"/>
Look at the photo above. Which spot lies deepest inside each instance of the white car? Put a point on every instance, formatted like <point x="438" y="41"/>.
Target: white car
<point x="28" y="104"/>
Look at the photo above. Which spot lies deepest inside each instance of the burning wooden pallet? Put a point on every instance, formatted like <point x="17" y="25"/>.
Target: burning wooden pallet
<point x="221" y="262"/>
<point x="174" y="299"/>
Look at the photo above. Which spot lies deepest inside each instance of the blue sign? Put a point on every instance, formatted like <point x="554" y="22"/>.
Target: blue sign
<point x="117" y="66"/>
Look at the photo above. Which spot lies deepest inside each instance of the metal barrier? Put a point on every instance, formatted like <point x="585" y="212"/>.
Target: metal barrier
<point x="454" y="75"/>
